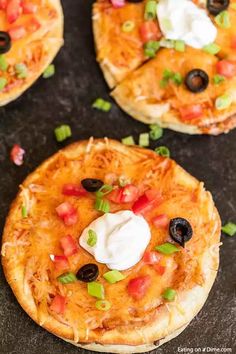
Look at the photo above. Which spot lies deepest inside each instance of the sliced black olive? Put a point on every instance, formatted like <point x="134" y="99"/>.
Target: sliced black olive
<point x="92" y="184"/>
<point x="180" y="230"/>
<point x="88" y="273"/>
<point x="217" y="6"/>
<point x="197" y="80"/>
<point x="5" y="42"/>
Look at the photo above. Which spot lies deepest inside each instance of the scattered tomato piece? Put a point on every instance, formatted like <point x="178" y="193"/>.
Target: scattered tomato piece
<point x="13" y="10"/>
<point x="147" y="201"/>
<point x="138" y="287"/>
<point x="151" y="257"/>
<point x="118" y="3"/>
<point x="127" y="194"/>
<point x="69" y="245"/>
<point x="160" y="221"/>
<point x="150" y="31"/>
<point x="61" y="262"/>
<point x="191" y="111"/>
<point x="226" y="68"/>
<point x="17" y="32"/>
<point x="29" y="7"/>
<point x="58" y="304"/>
<point x="17" y="155"/>
<point x="74" y="190"/>
<point x="3" y="4"/>
<point x="67" y="213"/>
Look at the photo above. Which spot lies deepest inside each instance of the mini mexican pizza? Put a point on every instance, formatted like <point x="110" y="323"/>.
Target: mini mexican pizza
<point x="171" y="65"/>
<point x="31" y="34"/>
<point x="112" y="248"/>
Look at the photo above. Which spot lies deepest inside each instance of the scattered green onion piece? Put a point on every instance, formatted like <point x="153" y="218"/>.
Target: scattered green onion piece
<point x="156" y="132"/>
<point x="102" y="105"/>
<point x="167" y="43"/>
<point x="168" y="74"/>
<point x="212" y="48"/>
<point x="103" y="305"/>
<point x="3" y="83"/>
<point x="104" y="190"/>
<point x="113" y="276"/>
<point x="223" y="19"/>
<point x="67" y="278"/>
<point x="179" y="46"/>
<point x="96" y="289"/>
<point x="150" y="10"/>
<point x="129" y="140"/>
<point x="177" y="79"/>
<point x="167" y="248"/>
<point x="102" y="205"/>
<point x="92" y="238"/>
<point x="3" y="63"/>
<point x="223" y="102"/>
<point x="24" y="212"/>
<point x="150" y="48"/>
<point x="169" y="294"/>
<point x="21" y="70"/>
<point x="62" y="132"/>
<point x="163" y="151"/>
<point x="128" y="26"/>
<point x="229" y="229"/>
<point x="218" y="79"/>
<point x="144" y="139"/>
<point x="166" y="23"/>
<point x="49" y="72"/>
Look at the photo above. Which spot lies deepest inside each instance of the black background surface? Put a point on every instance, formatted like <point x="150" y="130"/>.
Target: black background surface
<point x="67" y="98"/>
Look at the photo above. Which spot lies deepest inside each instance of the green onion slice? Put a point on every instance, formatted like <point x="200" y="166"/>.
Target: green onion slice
<point x="128" y="26"/>
<point x="96" y="289"/>
<point x="3" y="63"/>
<point x="103" y="305"/>
<point x="92" y="238"/>
<point x="62" y="132"/>
<point x="150" y="48"/>
<point x="129" y="140"/>
<point x="223" y="102"/>
<point x="163" y="151"/>
<point x="102" y="105"/>
<point x="49" y="72"/>
<point x="67" y="278"/>
<point x="229" y="229"/>
<point x="113" y="276"/>
<point x="21" y="71"/>
<point x="167" y="248"/>
<point x="3" y="83"/>
<point x="104" y="190"/>
<point x="180" y="46"/>
<point x="144" y="139"/>
<point x="218" y="79"/>
<point x="167" y="43"/>
<point x="169" y="294"/>
<point x="212" y="48"/>
<point x="150" y="10"/>
<point x="24" y="212"/>
<point x="223" y="19"/>
<point x="102" y="205"/>
<point x="156" y="132"/>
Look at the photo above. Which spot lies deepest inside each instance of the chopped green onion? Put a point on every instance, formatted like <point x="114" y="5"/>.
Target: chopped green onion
<point x="102" y="105"/>
<point x="218" y="79"/>
<point x="102" y="205"/>
<point x="167" y="43"/>
<point x="180" y="46"/>
<point x="163" y="151"/>
<point x="169" y="294"/>
<point x="113" y="276"/>
<point x="67" y="278"/>
<point x="223" y="102"/>
<point x="166" y="23"/>
<point x="229" y="229"/>
<point x="212" y="48"/>
<point x="3" y="63"/>
<point x="150" y="48"/>
<point x="177" y="79"/>
<point x="96" y="289"/>
<point x="150" y="10"/>
<point x="49" y="72"/>
<point x="21" y="70"/>
<point x="168" y="75"/>
<point x="104" y="190"/>
<point x="144" y="139"/>
<point x="3" y="83"/>
<point x="156" y="132"/>
<point x="167" y="248"/>
<point x="24" y="212"/>
<point x="103" y="305"/>
<point x="62" y="132"/>
<point x="128" y="26"/>
<point x="223" y="19"/>
<point x="129" y="140"/>
<point x="92" y="238"/>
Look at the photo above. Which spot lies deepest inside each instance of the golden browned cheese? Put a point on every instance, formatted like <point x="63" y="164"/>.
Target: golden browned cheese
<point x="28" y="242"/>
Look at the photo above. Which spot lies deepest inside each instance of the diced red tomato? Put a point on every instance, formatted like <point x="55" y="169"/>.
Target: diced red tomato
<point x="69" y="245"/>
<point x="17" y="155"/>
<point x="118" y="3"/>
<point x="226" y="68"/>
<point x="13" y="10"/>
<point x="150" y="31"/>
<point x="58" y="304"/>
<point x="151" y="257"/>
<point x="138" y="287"/>
<point x="17" y="32"/>
<point x="3" y="4"/>
<point x="61" y="262"/>
<point x="127" y="194"/>
<point x="159" y="269"/>
<point x="33" y="25"/>
<point x="29" y="7"/>
<point x="67" y="213"/>
<point x="191" y="111"/>
<point x="160" y="221"/>
<point x="147" y="201"/>
<point x="74" y="190"/>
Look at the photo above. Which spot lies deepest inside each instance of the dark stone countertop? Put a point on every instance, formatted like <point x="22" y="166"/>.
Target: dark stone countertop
<point x="67" y="98"/>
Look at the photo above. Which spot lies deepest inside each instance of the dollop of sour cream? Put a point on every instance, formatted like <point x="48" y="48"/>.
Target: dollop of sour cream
<point x="183" y="20"/>
<point x="122" y="238"/>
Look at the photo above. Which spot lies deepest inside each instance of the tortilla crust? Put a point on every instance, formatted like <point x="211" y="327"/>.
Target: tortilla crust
<point x="171" y="318"/>
<point x="51" y="42"/>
